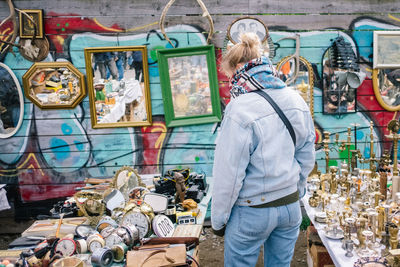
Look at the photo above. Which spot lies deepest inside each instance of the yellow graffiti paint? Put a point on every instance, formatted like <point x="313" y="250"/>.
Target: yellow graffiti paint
<point x="393" y="17"/>
<point x="160" y="140"/>
<point x="5" y="33"/>
<point x="127" y="30"/>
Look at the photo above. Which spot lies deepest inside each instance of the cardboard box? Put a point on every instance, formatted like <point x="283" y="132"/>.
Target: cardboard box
<point x="318" y="255"/>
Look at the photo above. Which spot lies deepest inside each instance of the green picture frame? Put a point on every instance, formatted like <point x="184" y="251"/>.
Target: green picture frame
<point x="189" y="85"/>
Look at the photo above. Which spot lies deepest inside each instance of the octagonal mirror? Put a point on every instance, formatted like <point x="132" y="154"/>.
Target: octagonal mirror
<point x="54" y="85"/>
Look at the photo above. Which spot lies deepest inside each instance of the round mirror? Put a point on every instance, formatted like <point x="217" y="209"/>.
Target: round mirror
<point x="299" y="77"/>
<point x="386" y="83"/>
<point x="126" y="179"/>
<point x="11" y="102"/>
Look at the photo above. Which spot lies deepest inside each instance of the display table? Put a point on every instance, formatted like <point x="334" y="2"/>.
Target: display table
<point x="334" y="247"/>
<point x="147" y="179"/>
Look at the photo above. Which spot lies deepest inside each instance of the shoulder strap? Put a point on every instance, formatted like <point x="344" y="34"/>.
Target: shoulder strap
<point x="280" y="113"/>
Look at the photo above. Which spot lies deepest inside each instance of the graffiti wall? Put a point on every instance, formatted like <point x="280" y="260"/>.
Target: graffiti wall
<point x="55" y="150"/>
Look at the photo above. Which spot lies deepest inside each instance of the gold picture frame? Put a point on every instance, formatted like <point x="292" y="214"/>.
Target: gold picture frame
<point x="118" y="85"/>
<point x="386" y="88"/>
<point x="303" y="81"/>
<point x="27" y="28"/>
<point x="54" y="85"/>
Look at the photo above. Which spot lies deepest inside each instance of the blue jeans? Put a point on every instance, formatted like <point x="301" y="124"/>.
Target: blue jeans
<point x="277" y="228"/>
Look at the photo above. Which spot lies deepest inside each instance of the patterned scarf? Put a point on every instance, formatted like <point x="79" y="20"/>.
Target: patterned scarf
<point x="244" y="81"/>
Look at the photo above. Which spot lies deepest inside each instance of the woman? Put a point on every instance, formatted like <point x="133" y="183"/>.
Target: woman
<point x="259" y="174"/>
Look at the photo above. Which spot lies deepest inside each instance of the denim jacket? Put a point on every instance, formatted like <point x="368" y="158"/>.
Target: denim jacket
<point x="255" y="160"/>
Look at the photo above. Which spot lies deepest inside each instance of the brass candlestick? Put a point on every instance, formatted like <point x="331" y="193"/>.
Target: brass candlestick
<point x="348" y="144"/>
<point x="325" y="142"/>
<point x="393" y="232"/>
<point x="394" y="127"/>
<point x="333" y="180"/>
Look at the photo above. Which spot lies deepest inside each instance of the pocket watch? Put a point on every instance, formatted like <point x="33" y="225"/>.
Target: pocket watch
<point x="140" y="220"/>
<point x="66" y="247"/>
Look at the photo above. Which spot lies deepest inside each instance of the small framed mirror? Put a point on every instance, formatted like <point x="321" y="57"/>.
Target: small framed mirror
<point x="189" y="85"/>
<point x="54" y="85"/>
<point x="11" y="102"/>
<point x="118" y="85"/>
<point x="301" y="79"/>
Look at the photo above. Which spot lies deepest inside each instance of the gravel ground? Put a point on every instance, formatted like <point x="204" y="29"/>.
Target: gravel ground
<point x="212" y="250"/>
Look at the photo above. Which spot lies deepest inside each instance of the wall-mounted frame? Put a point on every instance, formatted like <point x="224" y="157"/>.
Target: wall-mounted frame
<point x="27" y="28"/>
<point x="11" y="102"/>
<point x="337" y="94"/>
<point x="386" y="49"/>
<point x="54" y="85"/>
<point x="118" y="85"/>
<point x="247" y="24"/>
<point x="189" y="85"/>
<point x="303" y="81"/>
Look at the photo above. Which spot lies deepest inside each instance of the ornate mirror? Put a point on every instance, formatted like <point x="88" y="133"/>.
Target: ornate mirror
<point x="126" y="179"/>
<point x="11" y="102"/>
<point x="386" y="83"/>
<point x="300" y="77"/>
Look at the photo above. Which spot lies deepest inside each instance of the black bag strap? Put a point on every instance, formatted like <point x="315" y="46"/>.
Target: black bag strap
<point x="280" y="113"/>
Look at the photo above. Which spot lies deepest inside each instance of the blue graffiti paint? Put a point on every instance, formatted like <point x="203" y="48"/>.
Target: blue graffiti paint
<point x="60" y="149"/>
<point x="79" y="146"/>
<point x="66" y="129"/>
<point x="359" y="135"/>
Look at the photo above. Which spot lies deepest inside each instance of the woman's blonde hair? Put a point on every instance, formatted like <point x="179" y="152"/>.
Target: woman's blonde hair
<point x="247" y="49"/>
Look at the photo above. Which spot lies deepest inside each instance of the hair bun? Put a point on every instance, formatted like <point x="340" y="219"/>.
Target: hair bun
<point x="249" y="39"/>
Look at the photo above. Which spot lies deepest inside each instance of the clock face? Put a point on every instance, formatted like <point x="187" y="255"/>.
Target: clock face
<point x="84" y="230"/>
<point x="113" y="239"/>
<point x="66" y="247"/>
<point x="139" y="220"/>
<point x="95" y="245"/>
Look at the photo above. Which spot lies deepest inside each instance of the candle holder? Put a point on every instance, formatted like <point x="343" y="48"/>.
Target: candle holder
<point x="349" y="245"/>
<point x="393" y="232"/>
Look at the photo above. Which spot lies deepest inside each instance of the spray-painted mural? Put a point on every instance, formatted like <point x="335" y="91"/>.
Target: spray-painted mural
<point x="55" y="150"/>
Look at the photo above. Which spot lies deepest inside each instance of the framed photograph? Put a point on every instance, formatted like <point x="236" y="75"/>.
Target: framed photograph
<point x="386" y="49"/>
<point x="54" y="85"/>
<point x="247" y="24"/>
<point x="27" y="28"/>
<point x="118" y="85"/>
<point x="189" y="85"/>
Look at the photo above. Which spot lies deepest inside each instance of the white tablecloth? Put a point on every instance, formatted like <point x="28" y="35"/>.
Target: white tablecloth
<point x="132" y="92"/>
<point x="334" y="247"/>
